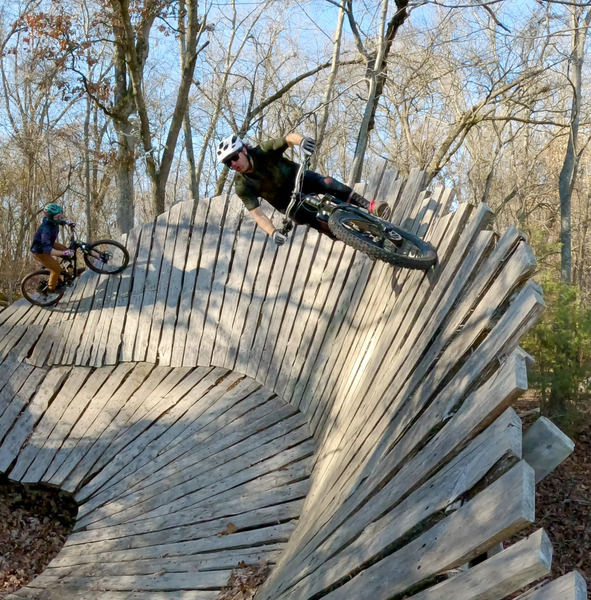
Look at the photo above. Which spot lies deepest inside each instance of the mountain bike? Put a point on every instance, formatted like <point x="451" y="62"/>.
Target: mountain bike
<point x="104" y="257"/>
<point x="356" y="227"/>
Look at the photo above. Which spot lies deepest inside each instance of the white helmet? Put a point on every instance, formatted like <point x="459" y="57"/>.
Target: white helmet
<point x="228" y="147"/>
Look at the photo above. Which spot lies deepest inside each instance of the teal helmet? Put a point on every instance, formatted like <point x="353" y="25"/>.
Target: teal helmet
<point x="52" y="210"/>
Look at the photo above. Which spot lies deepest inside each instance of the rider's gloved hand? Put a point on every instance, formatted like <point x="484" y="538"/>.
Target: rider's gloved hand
<point x="68" y="253"/>
<point x="71" y="223"/>
<point x="308" y="145"/>
<point x="279" y="238"/>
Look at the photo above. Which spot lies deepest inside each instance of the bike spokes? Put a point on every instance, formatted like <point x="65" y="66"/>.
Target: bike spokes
<point x="106" y="257"/>
<point x="35" y="288"/>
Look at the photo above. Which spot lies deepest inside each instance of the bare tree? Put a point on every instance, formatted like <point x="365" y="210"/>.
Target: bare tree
<point x="376" y="69"/>
<point x="132" y="40"/>
<point x="568" y="174"/>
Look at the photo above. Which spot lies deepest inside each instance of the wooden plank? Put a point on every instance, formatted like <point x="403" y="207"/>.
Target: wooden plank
<point x="500" y="575"/>
<point x="54" y="427"/>
<point x="228" y="235"/>
<point x="233" y="289"/>
<point x="404" y="359"/>
<point x="545" y="447"/>
<point x="149" y="290"/>
<point x="502" y="509"/>
<point x="52" y="341"/>
<point x="77" y="418"/>
<point x="568" y="587"/>
<point x="114" y="341"/>
<point x="176" y="283"/>
<point x="136" y="290"/>
<point x="313" y="299"/>
<point x="272" y="534"/>
<point x="503" y="338"/>
<point x="138" y="449"/>
<point x="22" y="396"/>
<point x="286" y="307"/>
<point x="83" y="433"/>
<point x="333" y="405"/>
<point x="321" y="314"/>
<point x="205" y="275"/>
<point x="189" y="279"/>
<point x="12" y="376"/>
<point x="122" y="424"/>
<point x="286" y="258"/>
<point x="34" y="330"/>
<point x="267" y="277"/>
<point x="274" y="461"/>
<point x="82" y="356"/>
<point x="228" y="559"/>
<point x="328" y="406"/>
<point x="253" y="281"/>
<point x="89" y="280"/>
<point x="107" y="422"/>
<point x="139" y="534"/>
<point x="166" y="268"/>
<point x="13" y="330"/>
<point x="329" y="361"/>
<point x="204" y="448"/>
<point x="78" y="594"/>
<point x="409" y="498"/>
<point x="17" y="437"/>
<point x="101" y="335"/>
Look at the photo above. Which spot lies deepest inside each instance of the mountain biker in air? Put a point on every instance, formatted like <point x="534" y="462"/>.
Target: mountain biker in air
<point x="45" y="247"/>
<point x="263" y="172"/>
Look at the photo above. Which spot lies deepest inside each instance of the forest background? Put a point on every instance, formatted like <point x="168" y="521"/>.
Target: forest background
<point x="113" y="108"/>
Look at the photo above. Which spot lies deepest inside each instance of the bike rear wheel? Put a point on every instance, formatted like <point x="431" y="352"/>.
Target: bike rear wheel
<point x="106" y="257"/>
<point x="34" y="289"/>
<point x="379" y="240"/>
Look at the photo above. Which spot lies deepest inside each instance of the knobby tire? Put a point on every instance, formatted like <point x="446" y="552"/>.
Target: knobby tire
<point x="112" y="247"/>
<point x="30" y="289"/>
<point x="367" y="235"/>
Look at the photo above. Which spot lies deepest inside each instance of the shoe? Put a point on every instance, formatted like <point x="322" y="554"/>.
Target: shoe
<point x="381" y="210"/>
<point x="58" y="288"/>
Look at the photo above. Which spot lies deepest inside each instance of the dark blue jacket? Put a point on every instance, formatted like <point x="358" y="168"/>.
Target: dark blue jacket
<point x="45" y="236"/>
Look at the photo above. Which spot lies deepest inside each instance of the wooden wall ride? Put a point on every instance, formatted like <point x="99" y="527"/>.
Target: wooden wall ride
<point x="224" y="401"/>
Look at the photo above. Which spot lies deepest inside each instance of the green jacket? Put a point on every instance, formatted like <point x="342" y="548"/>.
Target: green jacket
<point x="273" y="177"/>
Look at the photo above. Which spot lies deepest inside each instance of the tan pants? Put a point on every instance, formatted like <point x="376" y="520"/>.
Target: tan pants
<point x="52" y="264"/>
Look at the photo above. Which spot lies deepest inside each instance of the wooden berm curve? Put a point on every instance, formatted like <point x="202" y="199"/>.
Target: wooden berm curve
<point x="225" y="402"/>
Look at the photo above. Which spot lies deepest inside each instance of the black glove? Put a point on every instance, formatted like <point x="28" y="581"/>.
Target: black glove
<point x="279" y="238"/>
<point x="308" y="145"/>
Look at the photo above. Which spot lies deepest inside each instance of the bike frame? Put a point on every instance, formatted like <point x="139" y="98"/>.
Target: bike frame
<point x="325" y="205"/>
<point x="75" y="245"/>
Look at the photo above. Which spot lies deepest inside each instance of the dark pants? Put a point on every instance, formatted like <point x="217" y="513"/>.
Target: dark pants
<point x="314" y="183"/>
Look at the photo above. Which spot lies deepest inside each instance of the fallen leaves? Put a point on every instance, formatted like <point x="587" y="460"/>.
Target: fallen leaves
<point x="244" y="582"/>
<point x="34" y="524"/>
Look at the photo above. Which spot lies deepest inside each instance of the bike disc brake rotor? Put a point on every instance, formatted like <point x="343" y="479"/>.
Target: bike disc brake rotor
<point x="393" y="236"/>
<point x="369" y="230"/>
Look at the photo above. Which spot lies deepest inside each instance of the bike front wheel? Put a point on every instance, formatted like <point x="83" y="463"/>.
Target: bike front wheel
<point x="34" y="288"/>
<point x="382" y="241"/>
<point x="106" y="257"/>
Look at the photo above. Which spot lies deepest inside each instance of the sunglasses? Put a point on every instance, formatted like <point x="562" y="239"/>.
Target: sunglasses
<point x="233" y="158"/>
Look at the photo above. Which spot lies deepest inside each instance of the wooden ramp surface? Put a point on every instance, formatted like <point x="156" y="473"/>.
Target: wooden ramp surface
<point x="226" y="402"/>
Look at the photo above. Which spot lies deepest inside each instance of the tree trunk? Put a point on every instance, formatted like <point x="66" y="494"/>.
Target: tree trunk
<point x="377" y="65"/>
<point x="330" y="84"/>
<point x="567" y="176"/>
<point x="189" y="152"/>
<point x="125" y="146"/>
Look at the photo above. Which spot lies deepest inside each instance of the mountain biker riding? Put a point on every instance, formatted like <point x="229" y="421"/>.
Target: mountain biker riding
<point x="263" y="172"/>
<point x="44" y="247"/>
